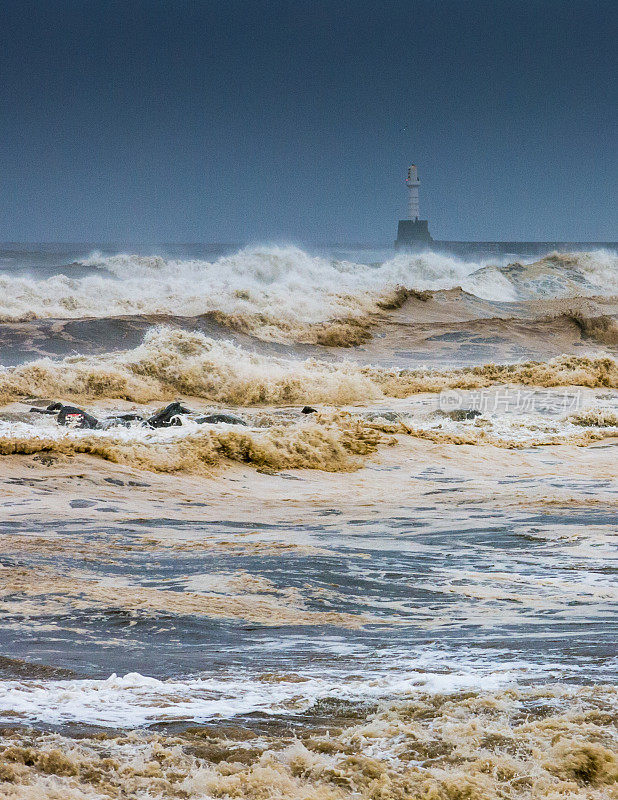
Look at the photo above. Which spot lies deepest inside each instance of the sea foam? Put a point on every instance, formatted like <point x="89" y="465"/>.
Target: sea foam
<point x="276" y="289"/>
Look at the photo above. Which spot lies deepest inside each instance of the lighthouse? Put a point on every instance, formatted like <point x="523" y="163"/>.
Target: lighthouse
<point x="413" y="183"/>
<point x="412" y="232"/>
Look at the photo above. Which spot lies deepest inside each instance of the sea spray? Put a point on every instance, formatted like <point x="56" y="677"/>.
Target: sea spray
<point x="276" y="292"/>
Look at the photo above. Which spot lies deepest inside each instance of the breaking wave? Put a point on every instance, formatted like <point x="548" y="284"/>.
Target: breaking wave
<point x="136" y="700"/>
<point x="331" y="445"/>
<point x="276" y="292"/>
<point x="332" y="442"/>
<point x="555" y="275"/>
<point x="537" y="742"/>
<point x="170" y="362"/>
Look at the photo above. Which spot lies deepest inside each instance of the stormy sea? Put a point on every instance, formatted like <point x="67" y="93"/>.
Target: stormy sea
<point x="307" y="524"/>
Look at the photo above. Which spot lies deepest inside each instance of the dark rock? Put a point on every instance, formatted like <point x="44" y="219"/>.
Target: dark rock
<point x="213" y="419"/>
<point x="308" y="410"/>
<point x="73" y="417"/>
<point x="167" y="417"/>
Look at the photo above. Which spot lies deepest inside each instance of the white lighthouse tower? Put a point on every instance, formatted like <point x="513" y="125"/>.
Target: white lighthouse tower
<point x="413" y="232"/>
<point x="413" y="183"/>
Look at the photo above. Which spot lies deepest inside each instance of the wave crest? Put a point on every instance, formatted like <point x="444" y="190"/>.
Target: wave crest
<point x="170" y="362"/>
<point x="278" y="291"/>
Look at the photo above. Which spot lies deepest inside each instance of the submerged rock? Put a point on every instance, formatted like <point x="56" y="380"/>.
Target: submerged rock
<point x="213" y="419"/>
<point x="130" y="416"/>
<point x="461" y="414"/>
<point x="124" y="420"/>
<point x="389" y="416"/>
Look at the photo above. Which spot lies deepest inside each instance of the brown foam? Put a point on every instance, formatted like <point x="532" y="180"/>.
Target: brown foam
<point x="547" y="742"/>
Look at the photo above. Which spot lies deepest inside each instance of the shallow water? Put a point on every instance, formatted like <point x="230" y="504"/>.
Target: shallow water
<point x="476" y="600"/>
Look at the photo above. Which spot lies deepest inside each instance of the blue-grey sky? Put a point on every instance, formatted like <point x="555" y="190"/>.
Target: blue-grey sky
<point x="249" y="120"/>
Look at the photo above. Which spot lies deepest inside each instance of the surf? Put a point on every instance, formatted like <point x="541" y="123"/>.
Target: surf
<point x="276" y="289"/>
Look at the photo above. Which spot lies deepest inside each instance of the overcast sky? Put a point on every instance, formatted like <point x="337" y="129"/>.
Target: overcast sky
<point x="233" y="121"/>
